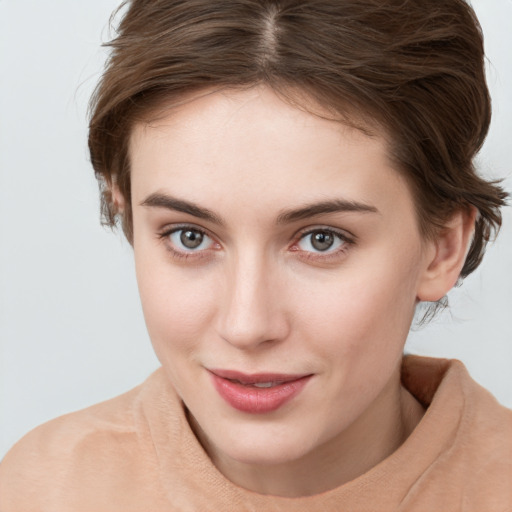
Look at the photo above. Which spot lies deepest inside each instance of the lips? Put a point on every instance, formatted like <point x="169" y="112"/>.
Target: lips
<point x="257" y="393"/>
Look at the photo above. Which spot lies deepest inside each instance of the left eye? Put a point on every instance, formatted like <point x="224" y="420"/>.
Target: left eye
<point x="321" y="240"/>
<point x="188" y="240"/>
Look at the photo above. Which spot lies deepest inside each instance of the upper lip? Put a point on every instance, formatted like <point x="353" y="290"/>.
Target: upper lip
<point x="256" y="378"/>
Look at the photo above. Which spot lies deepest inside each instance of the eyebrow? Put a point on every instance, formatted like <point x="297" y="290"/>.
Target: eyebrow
<point x="158" y="200"/>
<point x="331" y="206"/>
<point x="179" y="205"/>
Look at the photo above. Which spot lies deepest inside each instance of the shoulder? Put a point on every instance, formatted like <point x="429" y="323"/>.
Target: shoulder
<point x="74" y="454"/>
<point x="445" y="388"/>
<point x="467" y="431"/>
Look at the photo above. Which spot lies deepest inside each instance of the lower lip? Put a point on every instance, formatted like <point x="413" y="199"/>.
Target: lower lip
<point x="258" y="400"/>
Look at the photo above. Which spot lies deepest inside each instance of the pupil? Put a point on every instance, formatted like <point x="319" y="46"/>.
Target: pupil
<point x="322" y="240"/>
<point x="191" y="239"/>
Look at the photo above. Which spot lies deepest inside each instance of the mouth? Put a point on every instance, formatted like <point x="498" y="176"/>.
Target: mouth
<point x="257" y="393"/>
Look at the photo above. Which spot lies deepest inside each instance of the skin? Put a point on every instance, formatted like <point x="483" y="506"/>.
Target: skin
<point x="257" y="296"/>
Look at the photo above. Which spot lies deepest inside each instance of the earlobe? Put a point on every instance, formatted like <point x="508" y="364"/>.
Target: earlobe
<point x="446" y="256"/>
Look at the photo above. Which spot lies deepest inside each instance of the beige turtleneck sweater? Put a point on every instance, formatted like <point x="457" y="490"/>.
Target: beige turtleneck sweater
<point x="138" y="453"/>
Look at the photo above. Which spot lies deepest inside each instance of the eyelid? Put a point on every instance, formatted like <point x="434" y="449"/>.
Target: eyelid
<point x="164" y="236"/>
<point x="172" y="228"/>
<point x="342" y="233"/>
<point x="328" y="257"/>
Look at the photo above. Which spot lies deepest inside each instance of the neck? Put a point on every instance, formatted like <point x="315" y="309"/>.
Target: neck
<point x="375" y="435"/>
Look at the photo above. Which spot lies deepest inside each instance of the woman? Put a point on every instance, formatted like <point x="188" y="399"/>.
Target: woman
<point x="295" y="178"/>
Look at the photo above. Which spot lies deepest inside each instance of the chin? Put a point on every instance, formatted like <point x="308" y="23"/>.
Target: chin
<point x="262" y="445"/>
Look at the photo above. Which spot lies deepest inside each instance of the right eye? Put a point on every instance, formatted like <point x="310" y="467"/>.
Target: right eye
<point x="188" y="239"/>
<point x="321" y="241"/>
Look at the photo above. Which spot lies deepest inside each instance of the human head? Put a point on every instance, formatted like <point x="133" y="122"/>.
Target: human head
<point x="414" y="68"/>
<point x="406" y="73"/>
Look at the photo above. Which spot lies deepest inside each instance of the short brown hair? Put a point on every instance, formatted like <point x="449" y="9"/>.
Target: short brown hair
<point x="415" y="67"/>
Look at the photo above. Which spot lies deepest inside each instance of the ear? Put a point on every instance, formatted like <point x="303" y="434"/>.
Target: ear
<point x="446" y="255"/>
<point x="117" y="198"/>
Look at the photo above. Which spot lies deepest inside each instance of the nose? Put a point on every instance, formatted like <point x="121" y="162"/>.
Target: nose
<point x="252" y="312"/>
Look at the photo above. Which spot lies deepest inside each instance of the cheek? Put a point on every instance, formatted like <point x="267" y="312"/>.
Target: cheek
<point x="178" y="305"/>
<point x="363" y="310"/>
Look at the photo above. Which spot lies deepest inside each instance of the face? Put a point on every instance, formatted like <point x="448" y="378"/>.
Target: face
<point x="278" y="259"/>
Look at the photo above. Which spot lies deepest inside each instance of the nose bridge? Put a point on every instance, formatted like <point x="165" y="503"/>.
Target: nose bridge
<point x="251" y="313"/>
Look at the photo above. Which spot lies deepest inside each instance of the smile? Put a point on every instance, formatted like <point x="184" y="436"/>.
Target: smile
<point x="258" y="393"/>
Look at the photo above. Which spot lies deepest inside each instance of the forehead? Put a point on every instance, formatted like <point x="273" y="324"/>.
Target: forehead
<point x="258" y="110"/>
<point x="255" y="145"/>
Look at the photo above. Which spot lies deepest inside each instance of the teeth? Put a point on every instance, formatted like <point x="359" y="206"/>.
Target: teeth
<point x="264" y="384"/>
<point x="257" y="384"/>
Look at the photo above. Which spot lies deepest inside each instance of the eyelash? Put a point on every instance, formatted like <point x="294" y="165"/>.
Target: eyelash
<point x="346" y="240"/>
<point x="184" y="255"/>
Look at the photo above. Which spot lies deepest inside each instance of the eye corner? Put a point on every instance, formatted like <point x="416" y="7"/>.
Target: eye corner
<point x="333" y="253"/>
<point x="171" y="236"/>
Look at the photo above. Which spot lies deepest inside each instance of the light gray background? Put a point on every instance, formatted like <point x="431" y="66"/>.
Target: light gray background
<point x="71" y="329"/>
